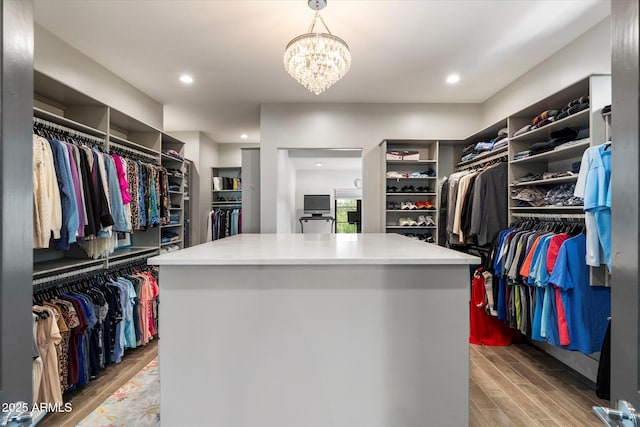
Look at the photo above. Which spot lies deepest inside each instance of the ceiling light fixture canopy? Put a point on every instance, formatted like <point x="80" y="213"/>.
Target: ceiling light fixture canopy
<point x="317" y="60"/>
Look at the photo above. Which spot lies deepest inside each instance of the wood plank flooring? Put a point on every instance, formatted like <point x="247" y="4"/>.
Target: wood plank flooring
<point x="513" y="386"/>
<point x="521" y="385"/>
<point x="88" y="398"/>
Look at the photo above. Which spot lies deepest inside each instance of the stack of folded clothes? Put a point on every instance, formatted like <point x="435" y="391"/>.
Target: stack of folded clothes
<point x="559" y="139"/>
<point x="471" y="151"/>
<point x="558" y="195"/>
<point x="549" y="116"/>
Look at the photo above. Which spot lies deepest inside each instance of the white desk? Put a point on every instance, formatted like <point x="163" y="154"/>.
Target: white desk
<point x="309" y="330"/>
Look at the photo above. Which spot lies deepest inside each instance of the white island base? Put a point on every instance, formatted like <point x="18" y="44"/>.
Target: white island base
<point x="269" y="330"/>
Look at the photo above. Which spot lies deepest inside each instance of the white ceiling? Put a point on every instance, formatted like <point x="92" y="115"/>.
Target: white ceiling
<point x="402" y="50"/>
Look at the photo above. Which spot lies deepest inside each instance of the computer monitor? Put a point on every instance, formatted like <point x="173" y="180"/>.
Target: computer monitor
<point x="317" y="204"/>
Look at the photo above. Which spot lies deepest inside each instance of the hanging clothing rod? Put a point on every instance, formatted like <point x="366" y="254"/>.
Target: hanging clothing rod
<point x="132" y="151"/>
<point x="502" y="157"/>
<point x="68" y="274"/>
<point x="132" y="260"/>
<point x="547" y="216"/>
<point x="37" y="121"/>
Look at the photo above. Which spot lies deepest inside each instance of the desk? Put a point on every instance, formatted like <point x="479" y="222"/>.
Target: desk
<point x="304" y="219"/>
<point x="314" y="330"/>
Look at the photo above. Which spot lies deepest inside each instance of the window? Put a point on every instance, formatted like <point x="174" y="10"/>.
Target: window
<point x="342" y="223"/>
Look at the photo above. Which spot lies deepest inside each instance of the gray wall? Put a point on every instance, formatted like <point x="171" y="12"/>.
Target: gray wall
<point x="588" y="54"/>
<point x="16" y="203"/>
<point x="625" y="340"/>
<point x="203" y="151"/>
<point x="62" y="62"/>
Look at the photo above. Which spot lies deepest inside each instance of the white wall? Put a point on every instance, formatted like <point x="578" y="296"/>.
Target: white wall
<point x="588" y="54"/>
<point x="230" y="154"/>
<point x="355" y="126"/>
<point x="285" y="194"/>
<point x="321" y="182"/>
<point x="204" y="153"/>
<point x="60" y="61"/>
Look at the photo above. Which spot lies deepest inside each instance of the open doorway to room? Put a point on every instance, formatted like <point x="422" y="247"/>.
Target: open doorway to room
<point x="319" y="190"/>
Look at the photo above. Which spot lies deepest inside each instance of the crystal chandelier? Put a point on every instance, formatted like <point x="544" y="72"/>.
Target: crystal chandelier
<point x="317" y="60"/>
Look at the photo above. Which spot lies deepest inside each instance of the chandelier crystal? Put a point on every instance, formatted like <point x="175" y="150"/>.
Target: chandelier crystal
<point x="317" y="60"/>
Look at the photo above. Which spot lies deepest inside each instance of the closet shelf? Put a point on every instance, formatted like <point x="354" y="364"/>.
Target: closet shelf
<point x="132" y="250"/>
<point x="569" y="152"/>
<point x="46" y="115"/>
<point x="410" y="179"/>
<point x="227" y="191"/>
<point x="175" y="209"/>
<point x="174" y="242"/>
<point x="127" y="143"/>
<point x="549" y="181"/>
<point x="411" y="194"/>
<point x="485" y="157"/>
<point x="547" y="208"/>
<point x="580" y="118"/>
<point x="59" y="265"/>
<point x="411" y="162"/>
<point x="171" y="225"/>
<point x="175" y="192"/>
<point x="169" y="158"/>
<point x="417" y="211"/>
<point x="226" y="203"/>
<point x="412" y="227"/>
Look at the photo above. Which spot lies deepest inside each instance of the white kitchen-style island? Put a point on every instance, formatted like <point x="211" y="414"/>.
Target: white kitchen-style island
<point x="309" y="330"/>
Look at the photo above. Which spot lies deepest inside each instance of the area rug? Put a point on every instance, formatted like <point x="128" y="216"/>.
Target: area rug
<point x="137" y="403"/>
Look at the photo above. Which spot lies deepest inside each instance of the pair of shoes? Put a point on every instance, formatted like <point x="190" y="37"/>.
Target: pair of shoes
<point x="393" y="206"/>
<point x="424" y="189"/>
<point x="408" y="189"/>
<point x="408" y="205"/>
<point x="425" y="221"/>
<point x="407" y="222"/>
<point x="424" y="204"/>
<point x="391" y="189"/>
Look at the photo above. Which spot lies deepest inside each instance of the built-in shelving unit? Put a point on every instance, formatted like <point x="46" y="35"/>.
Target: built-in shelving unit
<point x="409" y="188"/>
<point x="226" y="186"/>
<point x="116" y="132"/>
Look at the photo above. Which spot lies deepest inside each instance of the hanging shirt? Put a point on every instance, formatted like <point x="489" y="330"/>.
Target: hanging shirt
<point x="587" y="307"/>
<point x="594" y="185"/>
<point x="47" y="209"/>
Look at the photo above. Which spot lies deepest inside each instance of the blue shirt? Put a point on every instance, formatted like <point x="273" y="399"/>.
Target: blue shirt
<point x="587" y="308"/>
<point x="70" y="218"/>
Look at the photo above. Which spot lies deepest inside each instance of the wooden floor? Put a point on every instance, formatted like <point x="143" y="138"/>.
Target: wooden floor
<point x="521" y="385"/>
<point x="518" y="385"/>
<point x="89" y="397"/>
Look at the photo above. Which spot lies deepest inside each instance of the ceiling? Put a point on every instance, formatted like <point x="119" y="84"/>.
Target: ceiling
<point x="402" y="50"/>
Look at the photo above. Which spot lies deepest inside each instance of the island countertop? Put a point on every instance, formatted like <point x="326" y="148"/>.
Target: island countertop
<point x="315" y="249"/>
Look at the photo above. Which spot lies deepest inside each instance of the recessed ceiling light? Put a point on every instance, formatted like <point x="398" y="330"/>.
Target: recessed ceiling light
<point x="318" y="164"/>
<point x="186" y="78"/>
<point x="244" y="136"/>
<point x="453" y="78"/>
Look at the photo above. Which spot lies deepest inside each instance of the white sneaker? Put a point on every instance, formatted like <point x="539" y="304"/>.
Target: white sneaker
<point x="412" y="222"/>
<point x="403" y="221"/>
<point x="429" y="220"/>
<point x="422" y="221"/>
<point x="406" y="205"/>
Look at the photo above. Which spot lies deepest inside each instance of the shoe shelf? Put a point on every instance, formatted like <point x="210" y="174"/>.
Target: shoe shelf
<point x="412" y="227"/>
<point x="413" y="210"/>
<point x="424" y="162"/>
